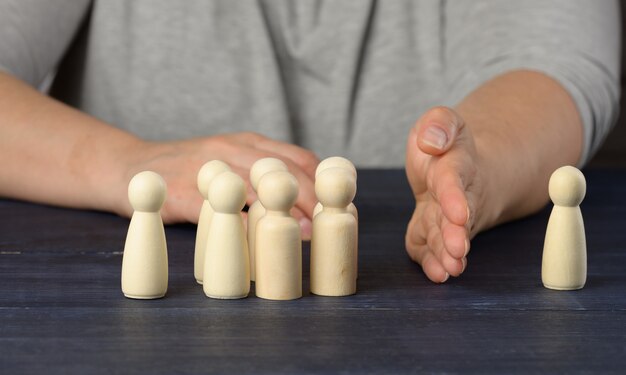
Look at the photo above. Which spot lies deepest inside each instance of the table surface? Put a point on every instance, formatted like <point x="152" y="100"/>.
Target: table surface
<point x="62" y="310"/>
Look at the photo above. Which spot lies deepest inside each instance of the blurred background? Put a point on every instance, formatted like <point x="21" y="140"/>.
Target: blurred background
<point x="613" y="152"/>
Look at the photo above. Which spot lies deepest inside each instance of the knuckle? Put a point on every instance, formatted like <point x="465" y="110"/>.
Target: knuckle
<point x="307" y="158"/>
<point x="411" y="248"/>
<point x="252" y="137"/>
<point x="445" y="114"/>
<point x="441" y="111"/>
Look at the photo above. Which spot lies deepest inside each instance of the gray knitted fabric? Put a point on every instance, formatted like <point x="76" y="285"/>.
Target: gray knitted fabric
<point x="338" y="77"/>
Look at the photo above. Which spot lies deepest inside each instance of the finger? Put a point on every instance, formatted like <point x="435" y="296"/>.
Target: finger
<point x="455" y="239"/>
<point x="435" y="242"/>
<point x="453" y="266"/>
<point x="449" y="191"/>
<point x="422" y="221"/>
<point x="422" y="255"/>
<point x="412" y="164"/>
<point x="306" y="195"/>
<point x="436" y="269"/>
<point x="438" y="129"/>
<point x="306" y="226"/>
<point x="307" y="199"/>
<point x="424" y="236"/>
<point x="305" y="159"/>
<point x="297" y="212"/>
<point x="251" y="195"/>
<point x="433" y="269"/>
<point x="304" y="171"/>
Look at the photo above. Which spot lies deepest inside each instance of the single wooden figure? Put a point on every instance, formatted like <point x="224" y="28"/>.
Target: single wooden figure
<point x="564" y="264"/>
<point x="334" y="240"/>
<point x="345" y="164"/>
<point x="226" y="262"/>
<point x="206" y="174"/>
<point x="144" y="263"/>
<point x="278" y="241"/>
<point x="336" y="162"/>
<point x="256" y="210"/>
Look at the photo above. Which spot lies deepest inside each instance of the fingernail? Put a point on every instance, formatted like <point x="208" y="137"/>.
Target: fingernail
<point x="436" y="137"/>
<point x="307" y="228"/>
<point x="467" y="247"/>
<point x="446" y="278"/>
<point x="464" y="260"/>
<point x="467" y="218"/>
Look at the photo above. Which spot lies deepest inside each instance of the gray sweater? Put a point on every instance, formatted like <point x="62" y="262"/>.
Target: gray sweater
<point x="338" y="77"/>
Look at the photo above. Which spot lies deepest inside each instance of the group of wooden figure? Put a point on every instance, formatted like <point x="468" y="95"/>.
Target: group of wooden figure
<point x="227" y="257"/>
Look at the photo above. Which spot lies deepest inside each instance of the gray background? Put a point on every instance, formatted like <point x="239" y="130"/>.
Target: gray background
<point x="613" y="152"/>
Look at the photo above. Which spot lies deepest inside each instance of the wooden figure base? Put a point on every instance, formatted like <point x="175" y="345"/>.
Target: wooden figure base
<point x="229" y="297"/>
<point x="279" y="299"/>
<point x="321" y="294"/>
<point x="131" y="296"/>
<point x="563" y="288"/>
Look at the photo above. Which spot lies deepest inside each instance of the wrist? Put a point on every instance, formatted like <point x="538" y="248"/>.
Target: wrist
<point x="109" y="173"/>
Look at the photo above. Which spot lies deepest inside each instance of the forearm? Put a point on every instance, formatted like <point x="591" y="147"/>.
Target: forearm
<point x="54" y="154"/>
<point x="525" y="126"/>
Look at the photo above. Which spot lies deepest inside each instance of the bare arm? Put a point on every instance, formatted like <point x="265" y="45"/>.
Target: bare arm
<point x="51" y="153"/>
<point x="525" y="126"/>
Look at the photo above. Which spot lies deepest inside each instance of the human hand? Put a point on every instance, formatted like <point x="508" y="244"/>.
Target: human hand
<point x="443" y="169"/>
<point x="178" y="162"/>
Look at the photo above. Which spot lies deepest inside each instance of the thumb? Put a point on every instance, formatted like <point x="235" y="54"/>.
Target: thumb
<point x="438" y="129"/>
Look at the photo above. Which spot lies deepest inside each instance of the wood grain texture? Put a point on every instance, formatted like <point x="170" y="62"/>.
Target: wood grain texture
<point x="62" y="310"/>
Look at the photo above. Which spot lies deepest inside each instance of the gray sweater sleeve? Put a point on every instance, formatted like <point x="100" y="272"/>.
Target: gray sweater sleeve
<point x="34" y="34"/>
<point x="576" y="42"/>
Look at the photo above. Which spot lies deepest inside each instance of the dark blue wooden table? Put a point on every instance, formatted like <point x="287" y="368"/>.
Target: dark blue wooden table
<point x="62" y="310"/>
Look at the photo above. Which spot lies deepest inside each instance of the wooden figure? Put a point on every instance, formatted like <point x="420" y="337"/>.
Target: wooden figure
<point x="206" y="174"/>
<point x="564" y="264"/>
<point x="345" y="164"/>
<point x="226" y="263"/>
<point x="278" y="241"/>
<point x="336" y="162"/>
<point x="334" y="240"/>
<point x="144" y="264"/>
<point x="256" y="210"/>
